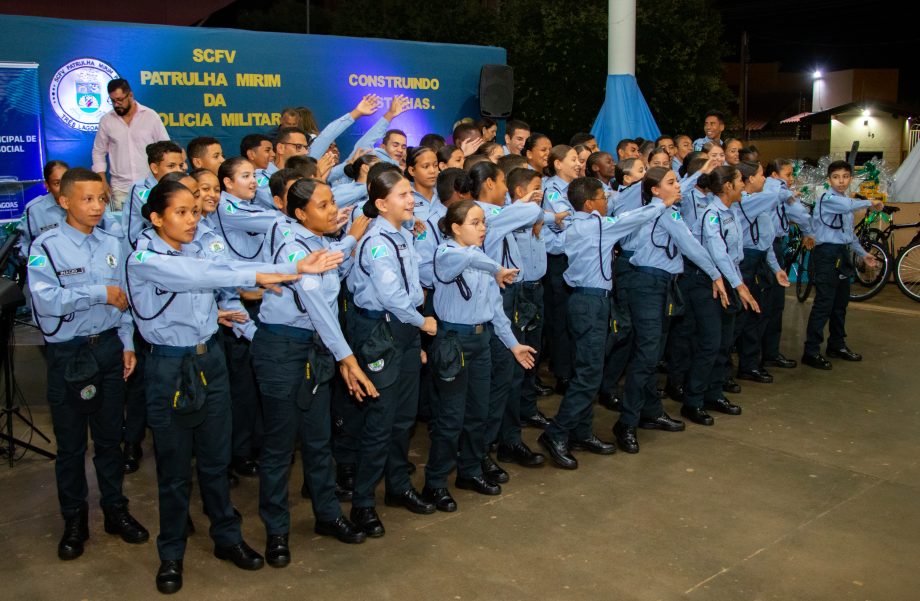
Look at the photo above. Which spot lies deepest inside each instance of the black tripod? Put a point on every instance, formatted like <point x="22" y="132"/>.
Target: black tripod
<point x="11" y="298"/>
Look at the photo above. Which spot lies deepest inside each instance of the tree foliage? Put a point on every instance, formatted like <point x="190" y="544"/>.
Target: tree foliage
<point x="558" y="50"/>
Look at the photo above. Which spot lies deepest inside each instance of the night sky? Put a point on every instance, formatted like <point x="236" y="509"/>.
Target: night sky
<point x="828" y="34"/>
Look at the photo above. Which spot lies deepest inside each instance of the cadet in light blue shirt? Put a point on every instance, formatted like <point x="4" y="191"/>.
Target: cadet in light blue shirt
<point x="590" y="239"/>
<point x="713" y="126"/>
<point x="242" y="224"/>
<point x="300" y="327"/>
<point x="171" y="288"/>
<point x="831" y="264"/>
<point x="468" y="302"/>
<point x="562" y="167"/>
<point x="383" y="330"/>
<point x="720" y="231"/>
<point x="422" y="171"/>
<point x="775" y="298"/>
<point x="488" y="186"/>
<point x="163" y="157"/>
<point x="76" y="280"/>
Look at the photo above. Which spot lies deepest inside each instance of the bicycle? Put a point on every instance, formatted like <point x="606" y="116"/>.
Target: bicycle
<point x="879" y="242"/>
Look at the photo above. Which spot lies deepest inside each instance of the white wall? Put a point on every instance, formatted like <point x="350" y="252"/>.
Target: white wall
<point x="883" y="134"/>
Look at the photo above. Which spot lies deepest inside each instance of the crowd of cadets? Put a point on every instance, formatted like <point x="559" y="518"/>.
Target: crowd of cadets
<point x="432" y="278"/>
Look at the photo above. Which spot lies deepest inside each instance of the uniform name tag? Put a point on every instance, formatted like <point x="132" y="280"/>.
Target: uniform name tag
<point x="50" y="226"/>
<point x="74" y="271"/>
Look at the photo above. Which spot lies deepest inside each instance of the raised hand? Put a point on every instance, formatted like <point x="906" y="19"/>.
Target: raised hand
<point x="368" y="106"/>
<point x="270" y="281"/>
<point x="320" y="261"/>
<point x="399" y="105"/>
<point x="470" y="146"/>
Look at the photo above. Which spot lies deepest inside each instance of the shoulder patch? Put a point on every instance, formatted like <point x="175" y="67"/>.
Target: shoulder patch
<point x="421" y="236"/>
<point x="261" y="181"/>
<point x="675" y="215"/>
<point x="37" y="260"/>
<point x="553" y="195"/>
<point x="142" y="256"/>
<point x="296" y="256"/>
<point x="143" y="193"/>
<point x="379" y="251"/>
<point x="495" y="211"/>
<point x="230" y="208"/>
<point x="714" y="219"/>
<point x="285" y="233"/>
<point x="610" y="219"/>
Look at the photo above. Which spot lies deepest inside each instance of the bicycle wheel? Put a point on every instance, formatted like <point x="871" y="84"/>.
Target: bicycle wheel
<point x="803" y="280"/>
<point x="907" y="272"/>
<point x="869" y="282"/>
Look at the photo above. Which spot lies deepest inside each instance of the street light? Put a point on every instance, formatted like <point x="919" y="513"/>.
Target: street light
<point x="817" y="74"/>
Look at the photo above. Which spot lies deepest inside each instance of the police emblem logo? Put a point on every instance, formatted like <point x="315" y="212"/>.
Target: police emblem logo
<point x="88" y="392"/>
<point x="376" y="366"/>
<point x="78" y="93"/>
<point x="217" y="246"/>
<point x="111" y="261"/>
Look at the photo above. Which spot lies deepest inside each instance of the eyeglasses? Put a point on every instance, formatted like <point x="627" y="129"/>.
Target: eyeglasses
<point x="121" y="100"/>
<point x="297" y="147"/>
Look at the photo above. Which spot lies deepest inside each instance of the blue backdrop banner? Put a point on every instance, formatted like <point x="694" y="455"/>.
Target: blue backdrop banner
<point x="228" y="83"/>
<point x="21" y="153"/>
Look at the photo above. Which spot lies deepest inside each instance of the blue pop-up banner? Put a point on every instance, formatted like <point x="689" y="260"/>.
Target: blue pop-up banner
<point x="229" y="83"/>
<point x="21" y="153"/>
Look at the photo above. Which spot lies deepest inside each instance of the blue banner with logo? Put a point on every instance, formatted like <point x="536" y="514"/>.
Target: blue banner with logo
<point x="21" y="152"/>
<point x="229" y="83"/>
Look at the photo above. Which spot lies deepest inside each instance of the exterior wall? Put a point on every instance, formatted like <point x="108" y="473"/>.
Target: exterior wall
<point x="883" y="134"/>
<point x="795" y="149"/>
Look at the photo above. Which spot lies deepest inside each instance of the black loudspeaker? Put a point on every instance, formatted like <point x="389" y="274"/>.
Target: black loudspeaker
<point x="496" y="91"/>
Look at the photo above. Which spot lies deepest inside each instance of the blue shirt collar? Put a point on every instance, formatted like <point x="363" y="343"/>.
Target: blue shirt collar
<point x="75" y="235"/>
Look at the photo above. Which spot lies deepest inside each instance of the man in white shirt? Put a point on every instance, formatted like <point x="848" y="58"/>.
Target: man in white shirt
<point x="123" y="135"/>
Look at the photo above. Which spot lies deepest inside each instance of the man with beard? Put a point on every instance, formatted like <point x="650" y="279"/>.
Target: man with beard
<point x="123" y="136"/>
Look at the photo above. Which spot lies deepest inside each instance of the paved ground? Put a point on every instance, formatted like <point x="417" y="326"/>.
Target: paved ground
<point x="811" y="494"/>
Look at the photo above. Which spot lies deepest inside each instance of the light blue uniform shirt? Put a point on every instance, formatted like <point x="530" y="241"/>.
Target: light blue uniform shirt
<point x="242" y="225"/>
<point x="349" y="193"/>
<point x="386" y="275"/>
<point x="68" y="275"/>
<point x="719" y="230"/>
<point x="664" y="240"/>
<point x="427" y="242"/>
<point x="555" y="200"/>
<point x="758" y="230"/>
<point x="263" y="197"/>
<point x="700" y="142"/>
<point x="132" y="219"/>
<point x="692" y="205"/>
<point x="628" y="198"/>
<point x="785" y="212"/>
<point x="832" y="221"/>
<point x="500" y="244"/>
<point x="312" y="302"/>
<point x="533" y="251"/>
<point x="422" y="204"/>
<point x="155" y="271"/>
<point x="453" y="262"/>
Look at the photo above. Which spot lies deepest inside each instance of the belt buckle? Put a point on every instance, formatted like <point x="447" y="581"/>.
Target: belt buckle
<point x="201" y="349"/>
<point x="386" y="316"/>
<point x="93" y="340"/>
<point x="478" y="329"/>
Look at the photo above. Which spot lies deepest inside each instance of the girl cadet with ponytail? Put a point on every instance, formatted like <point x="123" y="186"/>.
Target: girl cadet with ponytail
<point x="759" y="268"/>
<point x="295" y="349"/>
<point x="384" y="332"/>
<point x="652" y="299"/>
<point x="719" y="231"/>
<point x="171" y="288"/>
<point x="468" y="302"/>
